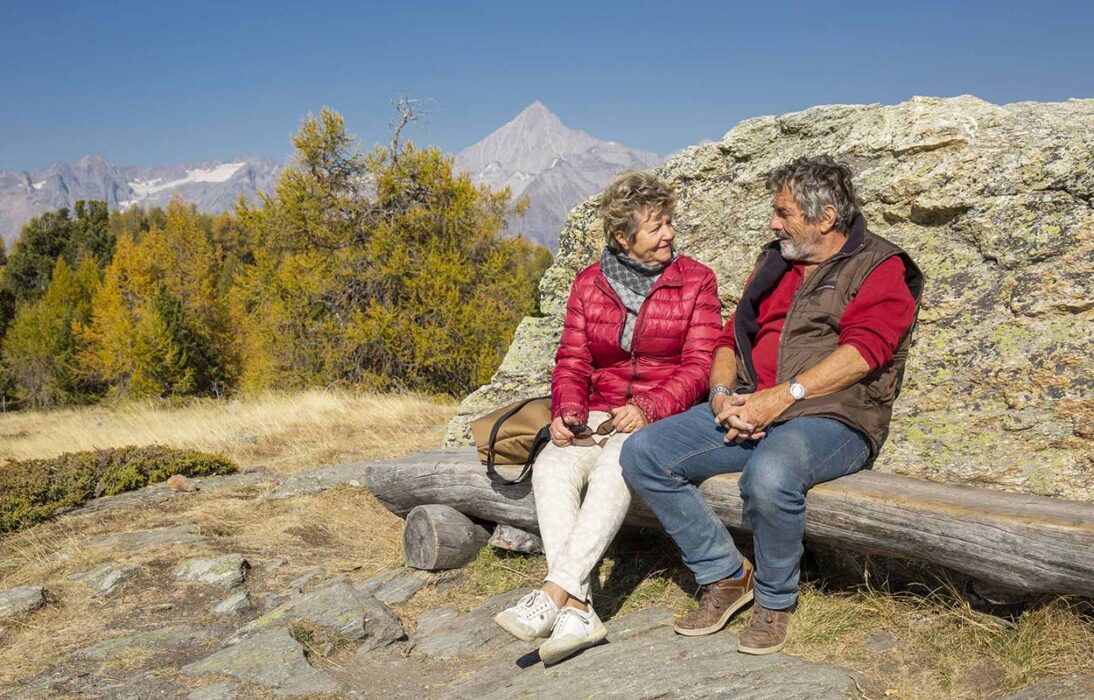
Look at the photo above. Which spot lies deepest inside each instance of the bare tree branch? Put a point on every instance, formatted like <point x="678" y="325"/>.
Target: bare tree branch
<point x="410" y="110"/>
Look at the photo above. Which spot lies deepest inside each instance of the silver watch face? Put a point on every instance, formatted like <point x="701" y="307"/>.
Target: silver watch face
<point x="797" y="391"/>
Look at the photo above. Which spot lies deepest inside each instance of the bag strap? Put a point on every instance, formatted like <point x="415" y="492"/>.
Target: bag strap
<point x="538" y="443"/>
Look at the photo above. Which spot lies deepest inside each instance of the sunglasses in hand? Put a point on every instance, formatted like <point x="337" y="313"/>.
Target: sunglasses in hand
<point x="587" y="434"/>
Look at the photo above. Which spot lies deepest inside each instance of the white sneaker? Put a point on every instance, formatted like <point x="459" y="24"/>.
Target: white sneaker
<point x="533" y="616"/>
<point x="574" y="630"/>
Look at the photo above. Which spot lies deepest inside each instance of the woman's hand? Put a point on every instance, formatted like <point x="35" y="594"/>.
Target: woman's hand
<point x="628" y="418"/>
<point x="561" y="435"/>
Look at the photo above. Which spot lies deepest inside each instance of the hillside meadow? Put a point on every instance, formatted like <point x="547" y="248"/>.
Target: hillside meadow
<point x="906" y="644"/>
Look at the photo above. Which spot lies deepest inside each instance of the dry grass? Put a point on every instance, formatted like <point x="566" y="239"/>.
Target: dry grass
<point x="932" y="646"/>
<point x="282" y="432"/>
<point x="344" y="531"/>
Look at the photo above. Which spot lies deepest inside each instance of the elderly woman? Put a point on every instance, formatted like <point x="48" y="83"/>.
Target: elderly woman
<point x="636" y="347"/>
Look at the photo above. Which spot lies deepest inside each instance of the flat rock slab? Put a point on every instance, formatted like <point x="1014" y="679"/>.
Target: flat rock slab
<point x="235" y="604"/>
<point x="225" y="690"/>
<point x="21" y="600"/>
<point x="298" y="584"/>
<point x="378" y="581"/>
<point x="471" y="634"/>
<point x="646" y="659"/>
<point x="272" y="659"/>
<point x="433" y="619"/>
<point x="158" y="493"/>
<point x="400" y="589"/>
<point x="226" y="571"/>
<point x="316" y="480"/>
<point x="141" y="539"/>
<point x="171" y="638"/>
<point x="340" y="608"/>
<point x="108" y="579"/>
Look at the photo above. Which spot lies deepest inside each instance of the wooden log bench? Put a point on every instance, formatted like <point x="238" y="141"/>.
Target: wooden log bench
<point x="1026" y="543"/>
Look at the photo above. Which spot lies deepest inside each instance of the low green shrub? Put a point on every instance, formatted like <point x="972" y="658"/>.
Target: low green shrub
<point x="33" y="490"/>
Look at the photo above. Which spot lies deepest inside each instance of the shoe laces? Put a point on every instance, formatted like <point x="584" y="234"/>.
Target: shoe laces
<point x="762" y="615"/>
<point x="533" y="604"/>
<point x="569" y="620"/>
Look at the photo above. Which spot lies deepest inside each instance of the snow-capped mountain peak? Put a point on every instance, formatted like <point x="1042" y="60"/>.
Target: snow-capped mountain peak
<point x="535" y="154"/>
<point x="213" y="186"/>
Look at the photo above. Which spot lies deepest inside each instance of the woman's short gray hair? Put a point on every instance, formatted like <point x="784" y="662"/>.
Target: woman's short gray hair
<point x="629" y="192"/>
<point x="816" y="183"/>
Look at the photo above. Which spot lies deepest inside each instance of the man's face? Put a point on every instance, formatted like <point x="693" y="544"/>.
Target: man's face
<point x="798" y="239"/>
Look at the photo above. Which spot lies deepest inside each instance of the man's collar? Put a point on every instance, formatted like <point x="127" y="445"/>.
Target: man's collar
<point x="856" y="238"/>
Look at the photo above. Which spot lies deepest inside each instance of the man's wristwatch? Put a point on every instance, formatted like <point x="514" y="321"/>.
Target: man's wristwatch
<point x="719" y="389"/>
<point x="797" y="391"/>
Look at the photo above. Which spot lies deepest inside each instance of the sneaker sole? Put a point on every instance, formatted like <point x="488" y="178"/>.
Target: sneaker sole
<point x="722" y="621"/>
<point x="552" y="655"/>
<point x="514" y="628"/>
<point x="759" y="651"/>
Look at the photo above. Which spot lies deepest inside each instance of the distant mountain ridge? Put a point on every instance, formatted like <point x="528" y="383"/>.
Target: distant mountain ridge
<point x="213" y="186"/>
<point x="536" y="155"/>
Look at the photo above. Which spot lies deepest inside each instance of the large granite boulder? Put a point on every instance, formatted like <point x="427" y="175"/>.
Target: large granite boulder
<point x="996" y="204"/>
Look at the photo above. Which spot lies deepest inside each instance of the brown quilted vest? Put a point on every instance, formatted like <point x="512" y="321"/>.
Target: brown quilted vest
<point x="812" y="330"/>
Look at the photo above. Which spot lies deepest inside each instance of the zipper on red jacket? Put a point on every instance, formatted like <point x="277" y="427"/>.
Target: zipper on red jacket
<point x="634" y="374"/>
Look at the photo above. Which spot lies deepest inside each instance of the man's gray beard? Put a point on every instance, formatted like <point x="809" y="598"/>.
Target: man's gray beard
<point x="792" y="251"/>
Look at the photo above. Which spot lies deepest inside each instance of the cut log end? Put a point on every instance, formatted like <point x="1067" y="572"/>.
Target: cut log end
<point x="437" y="537"/>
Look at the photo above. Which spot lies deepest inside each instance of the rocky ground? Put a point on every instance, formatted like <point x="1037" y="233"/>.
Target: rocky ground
<point x="185" y="616"/>
<point x="230" y="626"/>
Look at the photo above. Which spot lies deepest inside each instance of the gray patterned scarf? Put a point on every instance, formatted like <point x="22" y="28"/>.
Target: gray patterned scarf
<point x="632" y="281"/>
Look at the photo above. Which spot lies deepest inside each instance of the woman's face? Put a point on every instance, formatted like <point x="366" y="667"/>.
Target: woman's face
<point x="653" y="242"/>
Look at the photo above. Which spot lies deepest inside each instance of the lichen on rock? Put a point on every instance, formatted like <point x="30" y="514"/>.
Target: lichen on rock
<point x="996" y="205"/>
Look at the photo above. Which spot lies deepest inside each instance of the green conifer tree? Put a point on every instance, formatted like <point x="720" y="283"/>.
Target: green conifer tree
<point x="158" y="326"/>
<point x="41" y="348"/>
<point x="91" y="234"/>
<point x="41" y="242"/>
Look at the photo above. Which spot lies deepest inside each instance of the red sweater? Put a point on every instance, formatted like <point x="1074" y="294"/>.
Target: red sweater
<point x="874" y="321"/>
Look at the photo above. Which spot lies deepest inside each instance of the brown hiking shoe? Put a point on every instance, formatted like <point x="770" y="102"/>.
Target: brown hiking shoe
<point x="766" y="631"/>
<point x="719" y="601"/>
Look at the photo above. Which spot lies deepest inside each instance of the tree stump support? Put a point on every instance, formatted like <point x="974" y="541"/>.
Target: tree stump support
<point x="437" y="537"/>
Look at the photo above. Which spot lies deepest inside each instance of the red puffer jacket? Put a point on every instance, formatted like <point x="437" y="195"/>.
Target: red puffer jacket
<point x="666" y="371"/>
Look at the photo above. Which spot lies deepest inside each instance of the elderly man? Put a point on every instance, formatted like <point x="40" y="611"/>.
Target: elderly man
<point x="801" y="392"/>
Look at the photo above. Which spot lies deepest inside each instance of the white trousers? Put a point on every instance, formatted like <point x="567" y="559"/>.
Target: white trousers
<point x="577" y="532"/>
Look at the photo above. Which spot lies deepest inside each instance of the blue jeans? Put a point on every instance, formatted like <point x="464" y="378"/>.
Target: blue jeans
<point x="664" y="462"/>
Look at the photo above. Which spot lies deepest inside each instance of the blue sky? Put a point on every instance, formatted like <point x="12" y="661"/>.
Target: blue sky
<point x="149" y="83"/>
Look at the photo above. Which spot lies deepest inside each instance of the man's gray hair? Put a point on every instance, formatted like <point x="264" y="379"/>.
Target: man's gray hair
<point x="816" y="183"/>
